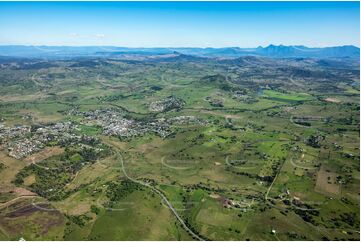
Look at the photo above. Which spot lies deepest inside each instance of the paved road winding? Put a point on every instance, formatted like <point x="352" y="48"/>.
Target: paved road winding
<point x="162" y="196"/>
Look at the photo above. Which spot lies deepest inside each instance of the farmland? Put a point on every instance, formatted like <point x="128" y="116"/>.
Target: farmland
<point x="251" y="148"/>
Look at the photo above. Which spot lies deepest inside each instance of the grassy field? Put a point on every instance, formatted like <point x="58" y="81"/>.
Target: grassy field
<point x="265" y="154"/>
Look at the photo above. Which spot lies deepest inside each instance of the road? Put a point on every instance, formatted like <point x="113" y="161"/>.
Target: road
<point x="270" y="187"/>
<point x="169" y="205"/>
<point x="302" y="167"/>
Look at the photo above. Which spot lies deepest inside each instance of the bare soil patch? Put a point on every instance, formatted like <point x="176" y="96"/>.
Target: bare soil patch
<point x="231" y="116"/>
<point x="326" y="182"/>
<point x="215" y="196"/>
<point x="23" y="192"/>
<point x="44" y="154"/>
<point x="144" y="148"/>
<point x="332" y="100"/>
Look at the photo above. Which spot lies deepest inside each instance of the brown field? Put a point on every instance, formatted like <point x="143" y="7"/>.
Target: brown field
<point x="114" y="142"/>
<point x="29" y="180"/>
<point x="332" y="100"/>
<point x="37" y="219"/>
<point x="231" y="116"/>
<point x="23" y="192"/>
<point x="8" y="174"/>
<point x="17" y="98"/>
<point x="326" y="182"/>
<point x="44" y="154"/>
<point x="215" y="196"/>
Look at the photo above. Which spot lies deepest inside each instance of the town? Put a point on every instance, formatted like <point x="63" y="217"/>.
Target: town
<point x="23" y="140"/>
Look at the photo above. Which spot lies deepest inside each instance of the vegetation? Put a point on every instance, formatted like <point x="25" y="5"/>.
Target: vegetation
<point x="239" y="147"/>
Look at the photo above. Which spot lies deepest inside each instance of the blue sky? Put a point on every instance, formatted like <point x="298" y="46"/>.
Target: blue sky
<point x="180" y="24"/>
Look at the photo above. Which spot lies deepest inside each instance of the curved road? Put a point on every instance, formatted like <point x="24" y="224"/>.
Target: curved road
<point x="162" y="196"/>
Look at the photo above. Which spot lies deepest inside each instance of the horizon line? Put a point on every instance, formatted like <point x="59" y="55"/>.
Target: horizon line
<point x="180" y="47"/>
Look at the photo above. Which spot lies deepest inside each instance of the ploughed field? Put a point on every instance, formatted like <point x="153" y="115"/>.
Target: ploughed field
<point x="242" y="149"/>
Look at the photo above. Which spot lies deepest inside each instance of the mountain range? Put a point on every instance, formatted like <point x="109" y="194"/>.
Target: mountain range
<point x="274" y="51"/>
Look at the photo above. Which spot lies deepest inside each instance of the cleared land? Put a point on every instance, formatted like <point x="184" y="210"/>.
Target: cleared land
<point x="213" y="149"/>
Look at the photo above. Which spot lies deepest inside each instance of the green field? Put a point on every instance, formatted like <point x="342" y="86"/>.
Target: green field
<point x="237" y="150"/>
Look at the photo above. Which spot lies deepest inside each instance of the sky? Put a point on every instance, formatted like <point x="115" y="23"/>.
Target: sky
<point x="180" y="24"/>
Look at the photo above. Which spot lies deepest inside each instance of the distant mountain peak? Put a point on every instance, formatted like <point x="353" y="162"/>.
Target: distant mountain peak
<point x="274" y="51"/>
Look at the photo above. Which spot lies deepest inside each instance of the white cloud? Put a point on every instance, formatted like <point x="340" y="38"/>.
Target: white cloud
<point x="100" y="36"/>
<point x="74" y="35"/>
